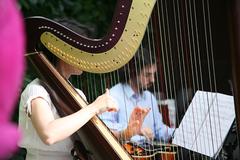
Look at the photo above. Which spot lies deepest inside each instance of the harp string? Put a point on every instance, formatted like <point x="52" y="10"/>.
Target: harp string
<point x="191" y="51"/>
<point x="197" y="54"/>
<point x="147" y="45"/>
<point x="163" y="47"/>
<point x="180" y="57"/>
<point x="193" y="64"/>
<point x="213" y="62"/>
<point x="153" y="54"/>
<point x="150" y="46"/>
<point x="185" y="63"/>
<point x="138" y="70"/>
<point x="128" y="76"/>
<point x="170" y="54"/>
<point x="202" y="87"/>
<point x="162" y="40"/>
<point x="210" y="49"/>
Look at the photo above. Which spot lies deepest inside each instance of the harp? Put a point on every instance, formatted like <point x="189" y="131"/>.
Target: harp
<point x="183" y="35"/>
<point x="92" y="55"/>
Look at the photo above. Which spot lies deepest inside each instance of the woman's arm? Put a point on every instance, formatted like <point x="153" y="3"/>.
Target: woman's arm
<point x="53" y="130"/>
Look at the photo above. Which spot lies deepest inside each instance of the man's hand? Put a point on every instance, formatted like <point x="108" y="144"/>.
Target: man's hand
<point x="136" y="121"/>
<point x="147" y="132"/>
<point x="139" y="114"/>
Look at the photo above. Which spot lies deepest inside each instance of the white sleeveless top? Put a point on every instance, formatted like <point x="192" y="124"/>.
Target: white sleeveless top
<point x="36" y="149"/>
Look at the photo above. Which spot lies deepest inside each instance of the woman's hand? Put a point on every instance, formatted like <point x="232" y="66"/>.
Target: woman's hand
<point x="105" y="103"/>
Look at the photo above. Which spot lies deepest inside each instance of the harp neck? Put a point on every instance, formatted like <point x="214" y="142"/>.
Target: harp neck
<point x="111" y="52"/>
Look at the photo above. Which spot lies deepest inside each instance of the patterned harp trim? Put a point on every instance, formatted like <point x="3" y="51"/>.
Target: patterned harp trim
<point x="98" y="55"/>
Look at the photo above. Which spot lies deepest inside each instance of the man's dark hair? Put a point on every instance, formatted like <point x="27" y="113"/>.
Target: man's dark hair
<point x="132" y="69"/>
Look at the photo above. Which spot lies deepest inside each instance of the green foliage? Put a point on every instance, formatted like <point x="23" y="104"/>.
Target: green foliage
<point x="93" y="13"/>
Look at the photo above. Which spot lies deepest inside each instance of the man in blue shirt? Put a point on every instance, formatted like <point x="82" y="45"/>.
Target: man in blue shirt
<point x="138" y="118"/>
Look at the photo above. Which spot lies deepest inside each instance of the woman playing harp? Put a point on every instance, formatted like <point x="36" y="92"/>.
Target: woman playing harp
<point x="98" y="55"/>
<point x="45" y="134"/>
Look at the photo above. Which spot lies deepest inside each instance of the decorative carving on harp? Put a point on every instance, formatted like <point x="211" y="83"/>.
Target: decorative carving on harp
<point x="91" y="55"/>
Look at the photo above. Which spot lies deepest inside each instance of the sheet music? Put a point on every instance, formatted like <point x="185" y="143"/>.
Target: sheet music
<point x="206" y="123"/>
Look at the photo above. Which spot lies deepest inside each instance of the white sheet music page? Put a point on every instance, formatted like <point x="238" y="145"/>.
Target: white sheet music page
<point x="206" y="123"/>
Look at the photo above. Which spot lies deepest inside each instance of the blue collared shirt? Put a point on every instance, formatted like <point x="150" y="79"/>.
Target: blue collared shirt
<point x="126" y="100"/>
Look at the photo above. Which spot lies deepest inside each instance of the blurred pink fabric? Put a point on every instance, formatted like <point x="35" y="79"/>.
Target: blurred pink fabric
<point x="12" y="47"/>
